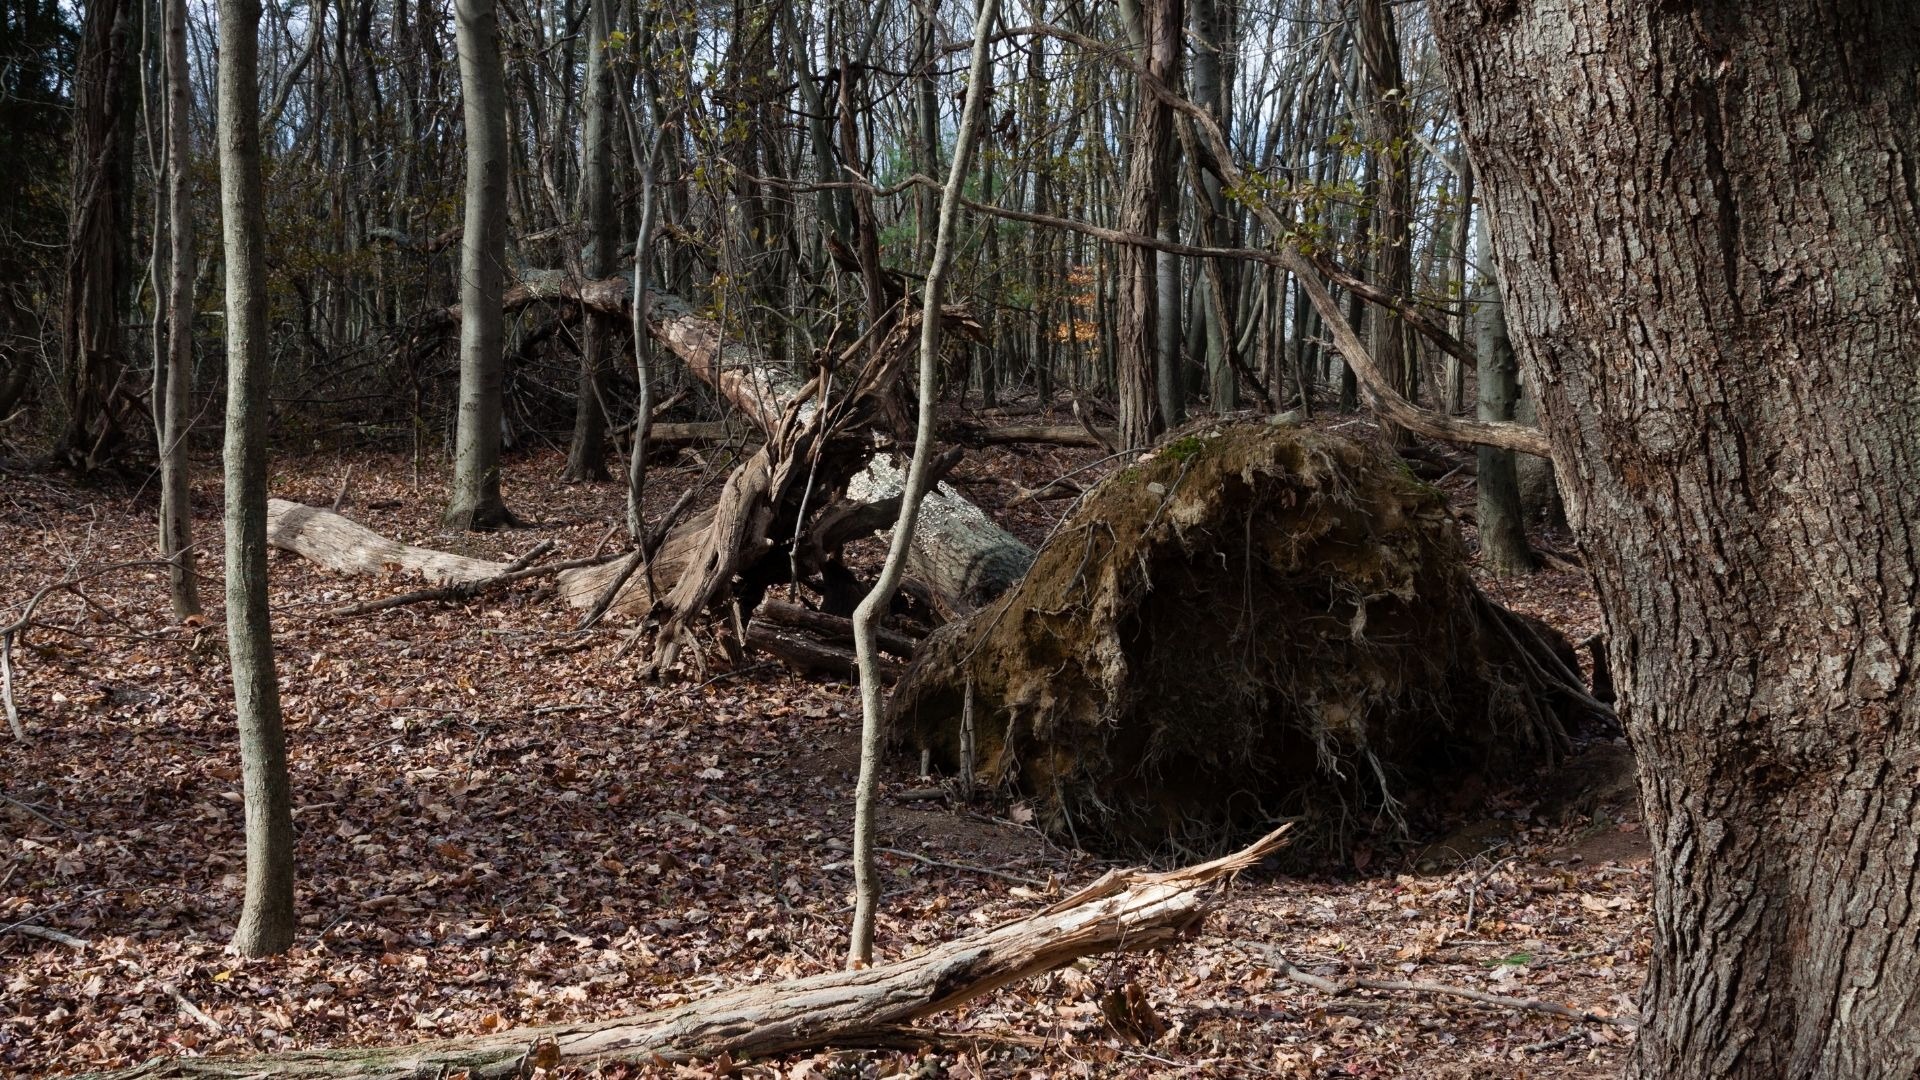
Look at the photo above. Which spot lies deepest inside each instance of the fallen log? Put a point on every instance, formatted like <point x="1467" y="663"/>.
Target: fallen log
<point x="809" y="653"/>
<point x="1130" y="910"/>
<point x="834" y="628"/>
<point x="971" y="434"/>
<point x="959" y="552"/>
<point x="820" y="641"/>
<point x="326" y="538"/>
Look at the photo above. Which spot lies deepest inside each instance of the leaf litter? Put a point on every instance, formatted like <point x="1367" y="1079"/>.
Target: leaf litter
<point x="499" y="825"/>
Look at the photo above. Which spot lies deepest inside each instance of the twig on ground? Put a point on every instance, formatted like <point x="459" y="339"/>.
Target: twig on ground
<point x="340" y="497"/>
<point x="1482" y="997"/>
<point x="989" y="872"/>
<point x="29" y="808"/>
<point x="50" y="935"/>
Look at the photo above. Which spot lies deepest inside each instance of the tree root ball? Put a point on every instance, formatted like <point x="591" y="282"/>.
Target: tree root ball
<point x="1256" y="623"/>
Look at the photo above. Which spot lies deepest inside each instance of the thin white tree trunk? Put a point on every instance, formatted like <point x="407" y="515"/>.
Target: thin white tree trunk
<point x="866" y="617"/>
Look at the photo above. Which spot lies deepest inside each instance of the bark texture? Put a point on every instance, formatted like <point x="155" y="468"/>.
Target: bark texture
<point x="1502" y="527"/>
<point x="1156" y="32"/>
<point x="476" y="502"/>
<point x="1706" y="215"/>
<point x="95" y="270"/>
<point x="266" y="913"/>
<point x="173" y="361"/>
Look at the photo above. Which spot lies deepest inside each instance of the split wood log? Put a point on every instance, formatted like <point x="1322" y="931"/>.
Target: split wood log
<point x="820" y="641"/>
<point x="1130" y="910"/>
<point x="834" y="628"/>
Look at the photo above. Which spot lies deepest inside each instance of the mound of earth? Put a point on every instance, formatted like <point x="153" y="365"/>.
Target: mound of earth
<point x="1257" y="623"/>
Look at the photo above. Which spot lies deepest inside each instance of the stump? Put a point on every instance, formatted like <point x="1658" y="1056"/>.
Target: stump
<point x="1257" y="623"/>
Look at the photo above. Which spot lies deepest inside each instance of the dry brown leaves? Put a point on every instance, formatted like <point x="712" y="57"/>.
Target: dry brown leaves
<point x="499" y="825"/>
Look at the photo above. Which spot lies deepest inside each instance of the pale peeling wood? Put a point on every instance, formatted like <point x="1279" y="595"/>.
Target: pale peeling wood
<point x="345" y="546"/>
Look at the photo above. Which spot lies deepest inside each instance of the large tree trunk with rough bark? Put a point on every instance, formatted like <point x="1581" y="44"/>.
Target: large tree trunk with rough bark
<point x="1127" y="910"/>
<point x="1155" y="31"/>
<point x="1709" y="222"/>
<point x="95" y="270"/>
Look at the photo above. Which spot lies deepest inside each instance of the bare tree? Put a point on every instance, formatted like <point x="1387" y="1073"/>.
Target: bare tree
<point x="266" y="915"/>
<point x="173" y="361"/>
<point x="866" y="617"/>
<point x="586" y="458"/>
<point x="476" y="502"/>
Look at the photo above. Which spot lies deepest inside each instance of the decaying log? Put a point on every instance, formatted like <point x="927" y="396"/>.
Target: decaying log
<point x="324" y="537"/>
<point x="959" y="552"/>
<point x="834" y="628"/>
<point x="972" y="434"/>
<point x="700" y="432"/>
<point x="818" y="640"/>
<point x="1129" y="910"/>
<point x="810" y="653"/>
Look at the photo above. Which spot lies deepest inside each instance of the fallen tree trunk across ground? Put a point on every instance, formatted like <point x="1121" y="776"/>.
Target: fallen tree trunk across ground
<point x="1128" y="910"/>
<point x="348" y="547"/>
<point x="960" y="554"/>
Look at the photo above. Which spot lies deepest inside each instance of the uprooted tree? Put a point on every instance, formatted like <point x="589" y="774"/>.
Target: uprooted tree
<point x="1259" y="622"/>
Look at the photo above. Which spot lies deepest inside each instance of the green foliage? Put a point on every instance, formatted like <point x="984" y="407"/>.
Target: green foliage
<point x="1184" y="449"/>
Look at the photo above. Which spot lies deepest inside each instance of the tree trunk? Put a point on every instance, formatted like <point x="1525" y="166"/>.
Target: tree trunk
<point x="587" y="456"/>
<point x="91" y="340"/>
<point x="1503" y="534"/>
<point x="174" y="361"/>
<point x="1156" y="32"/>
<point x="476" y="502"/>
<point x="1706" y="219"/>
<point x="266" y="914"/>
<point x="1390" y="131"/>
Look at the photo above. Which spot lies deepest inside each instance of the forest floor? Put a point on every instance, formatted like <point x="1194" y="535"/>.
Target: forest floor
<point x="499" y="825"/>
